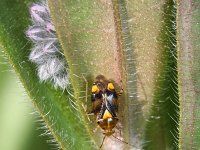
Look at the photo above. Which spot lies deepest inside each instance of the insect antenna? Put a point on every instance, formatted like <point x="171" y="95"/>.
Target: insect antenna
<point x="120" y="140"/>
<point x="102" y="142"/>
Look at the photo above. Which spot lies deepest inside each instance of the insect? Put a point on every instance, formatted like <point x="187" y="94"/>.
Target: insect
<point x="105" y="105"/>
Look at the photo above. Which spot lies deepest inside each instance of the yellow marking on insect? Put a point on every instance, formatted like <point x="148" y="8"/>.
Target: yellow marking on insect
<point x="95" y="89"/>
<point x="110" y="86"/>
<point x="107" y="114"/>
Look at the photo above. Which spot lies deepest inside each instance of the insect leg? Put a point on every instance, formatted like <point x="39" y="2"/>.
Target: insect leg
<point x="102" y="142"/>
<point x="86" y="85"/>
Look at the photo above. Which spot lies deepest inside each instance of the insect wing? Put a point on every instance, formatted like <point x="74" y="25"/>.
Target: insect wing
<point x="112" y="100"/>
<point x="96" y="105"/>
<point x="107" y="106"/>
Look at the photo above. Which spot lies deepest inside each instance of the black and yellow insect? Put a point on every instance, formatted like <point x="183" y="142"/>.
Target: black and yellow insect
<point x="105" y="104"/>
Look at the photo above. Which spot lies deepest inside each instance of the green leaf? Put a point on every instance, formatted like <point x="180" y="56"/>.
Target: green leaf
<point x="54" y="106"/>
<point x="105" y="37"/>
<point x="188" y="63"/>
<point x="132" y="41"/>
<point x="14" y="116"/>
<point x="91" y="47"/>
<point x="162" y="127"/>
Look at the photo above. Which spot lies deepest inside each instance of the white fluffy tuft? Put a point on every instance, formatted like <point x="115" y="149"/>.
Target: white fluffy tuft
<point x="46" y="52"/>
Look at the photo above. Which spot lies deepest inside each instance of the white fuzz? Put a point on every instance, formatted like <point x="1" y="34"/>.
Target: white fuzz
<point x="46" y="52"/>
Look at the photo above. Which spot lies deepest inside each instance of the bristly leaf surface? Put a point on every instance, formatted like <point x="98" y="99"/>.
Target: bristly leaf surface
<point x="54" y="105"/>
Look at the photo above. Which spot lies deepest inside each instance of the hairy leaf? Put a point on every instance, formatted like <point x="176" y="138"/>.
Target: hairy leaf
<point x="188" y="64"/>
<point x="54" y="106"/>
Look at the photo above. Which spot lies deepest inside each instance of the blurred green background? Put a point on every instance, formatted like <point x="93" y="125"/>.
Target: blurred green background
<point x="18" y="127"/>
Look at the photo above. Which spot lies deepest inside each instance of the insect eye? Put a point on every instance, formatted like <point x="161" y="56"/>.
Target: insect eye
<point x="110" y="86"/>
<point x="95" y="89"/>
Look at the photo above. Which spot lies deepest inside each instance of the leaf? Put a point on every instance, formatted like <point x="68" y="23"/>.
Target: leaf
<point x="90" y="45"/>
<point x="105" y="37"/>
<point x="54" y="106"/>
<point x="116" y="38"/>
<point x="153" y="31"/>
<point x="188" y="64"/>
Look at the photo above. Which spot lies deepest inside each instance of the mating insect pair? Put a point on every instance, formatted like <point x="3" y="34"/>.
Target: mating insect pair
<point x="104" y="105"/>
